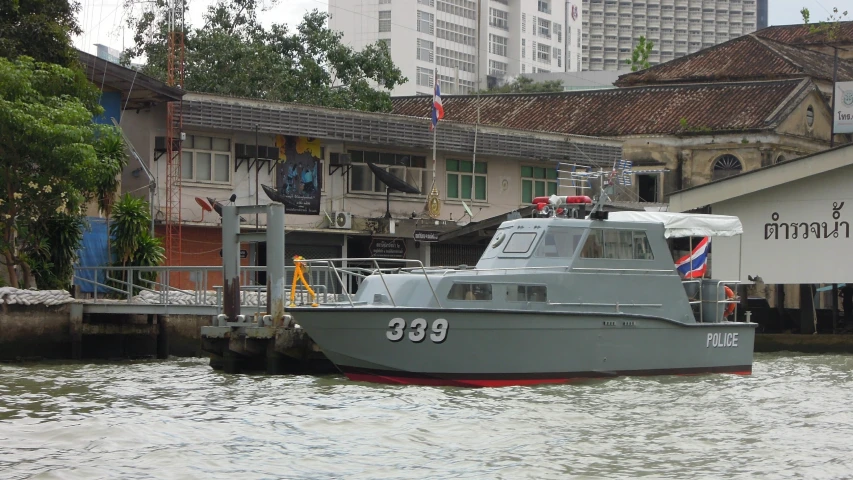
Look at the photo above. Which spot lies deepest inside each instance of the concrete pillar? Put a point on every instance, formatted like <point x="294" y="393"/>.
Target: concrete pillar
<point x="230" y="262"/>
<point x="162" y="336"/>
<point x="807" y="312"/>
<point x="76" y="331"/>
<point x="275" y="262"/>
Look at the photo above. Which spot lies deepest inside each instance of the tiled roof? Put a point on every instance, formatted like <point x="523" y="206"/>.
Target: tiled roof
<point x="799" y="34"/>
<point x="660" y="109"/>
<point x="743" y="58"/>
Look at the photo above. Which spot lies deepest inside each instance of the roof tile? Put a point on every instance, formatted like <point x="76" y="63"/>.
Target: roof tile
<point x="624" y="111"/>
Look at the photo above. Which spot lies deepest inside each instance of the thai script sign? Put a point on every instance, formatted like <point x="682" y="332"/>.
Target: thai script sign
<point x="806" y="230"/>
<point x="843" y="114"/>
<point x="388" y="248"/>
<point x="426" y="235"/>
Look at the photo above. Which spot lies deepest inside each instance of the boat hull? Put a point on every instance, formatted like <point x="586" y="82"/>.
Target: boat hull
<point x="468" y="347"/>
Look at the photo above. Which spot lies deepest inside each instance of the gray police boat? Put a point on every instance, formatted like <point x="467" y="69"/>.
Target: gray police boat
<point x="552" y="299"/>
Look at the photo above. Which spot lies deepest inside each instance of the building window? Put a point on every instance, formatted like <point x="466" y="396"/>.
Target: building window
<point x="455" y="33"/>
<point x="206" y="159"/>
<point x="523" y="68"/>
<point x="425" y="50"/>
<point x="498" y="18"/>
<point x="497" y="44"/>
<point x="523" y="48"/>
<point x="537" y="182"/>
<point x="523" y="23"/>
<point x="544" y="6"/>
<point x="462" y="8"/>
<point x="647" y="187"/>
<point x="424" y="77"/>
<point x="429" y="3"/>
<point x="426" y="22"/>
<point x="384" y="2"/>
<point x="558" y="55"/>
<point x="385" y="20"/>
<point x="726" y="166"/>
<point x="409" y="168"/>
<point x="558" y="31"/>
<point x="454" y="59"/>
<point x="386" y="42"/>
<point x="543" y="53"/>
<point x="544" y="28"/>
<point x="810" y="116"/>
<point x="463" y="176"/>
<point x="497" y="68"/>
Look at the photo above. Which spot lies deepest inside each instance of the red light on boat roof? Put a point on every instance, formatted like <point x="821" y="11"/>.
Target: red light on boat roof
<point x="540" y="206"/>
<point x="573" y="199"/>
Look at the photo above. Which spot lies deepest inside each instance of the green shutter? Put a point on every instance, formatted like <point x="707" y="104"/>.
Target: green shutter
<point x="538" y="172"/>
<point x="465" y="166"/>
<point x="452" y="165"/>
<point x="551" y="173"/>
<point x="527" y="172"/>
<point x="552" y="188"/>
<point x="526" y="191"/>
<point x="466" y="186"/>
<point x="480" y="188"/>
<point x="539" y="189"/>
<point x="452" y="185"/>
<point x="480" y="168"/>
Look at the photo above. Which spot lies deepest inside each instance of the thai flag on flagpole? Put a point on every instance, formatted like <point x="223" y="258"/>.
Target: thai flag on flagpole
<point x="695" y="264"/>
<point x="437" y="107"/>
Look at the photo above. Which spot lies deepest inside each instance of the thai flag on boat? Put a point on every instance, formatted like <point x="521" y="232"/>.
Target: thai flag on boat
<point x="437" y="107"/>
<point x="695" y="264"/>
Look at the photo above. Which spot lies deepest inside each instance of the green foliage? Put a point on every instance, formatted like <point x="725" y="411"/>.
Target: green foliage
<point x="132" y="242"/>
<point x="53" y="262"/>
<point x="640" y="56"/>
<point x="48" y="162"/>
<point x="830" y="27"/>
<point x="523" y="84"/>
<point x="686" y="127"/>
<point x="112" y="158"/>
<point x="40" y="29"/>
<point x="233" y="54"/>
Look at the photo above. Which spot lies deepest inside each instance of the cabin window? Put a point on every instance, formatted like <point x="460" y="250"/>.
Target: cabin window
<point x="520" y="242"/>
<point x="617" y="245"/>
<point x="559" y="242"/>
<point x="527" y="293"/>
<point x="470" y="291"/>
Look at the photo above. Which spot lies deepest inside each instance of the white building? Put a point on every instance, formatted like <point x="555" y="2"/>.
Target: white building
<point x="425" y="36"/>
<point x="676" y="27"/>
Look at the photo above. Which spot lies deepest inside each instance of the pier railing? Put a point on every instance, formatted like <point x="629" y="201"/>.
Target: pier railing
<point x="151" y="286"/>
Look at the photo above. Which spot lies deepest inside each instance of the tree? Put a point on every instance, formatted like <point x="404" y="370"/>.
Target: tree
<point x="831" y="27"/>
<point x="49" y="162"/>
<point x="640" y="56"/>
<point x="233" y="54"/>
<point x="134" y="244"/>
<point x="523" y="84"/>
<point x="40" y="29"/>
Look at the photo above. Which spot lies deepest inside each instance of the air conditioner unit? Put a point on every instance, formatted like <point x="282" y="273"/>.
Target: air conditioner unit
<point x="341" y="220"/>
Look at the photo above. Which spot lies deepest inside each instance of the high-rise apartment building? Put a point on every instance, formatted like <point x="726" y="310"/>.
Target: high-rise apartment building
<point x="440" y="37"/>
<point x="676" y="27"/>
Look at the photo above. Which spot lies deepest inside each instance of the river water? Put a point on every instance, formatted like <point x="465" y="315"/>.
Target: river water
<point x="178" y="419"/>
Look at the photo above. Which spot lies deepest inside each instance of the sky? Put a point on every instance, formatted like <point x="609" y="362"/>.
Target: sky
<point x="102" y="20"/>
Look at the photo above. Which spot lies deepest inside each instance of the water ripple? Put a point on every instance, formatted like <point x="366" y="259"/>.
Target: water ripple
<point x="179" y="419"/>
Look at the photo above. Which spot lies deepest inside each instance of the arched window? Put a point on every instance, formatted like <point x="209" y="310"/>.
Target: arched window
<point x="726" y="166"/>
<point x="781" y="158"/>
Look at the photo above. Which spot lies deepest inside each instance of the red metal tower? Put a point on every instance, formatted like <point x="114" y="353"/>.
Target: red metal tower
<point x="174" y="127"/>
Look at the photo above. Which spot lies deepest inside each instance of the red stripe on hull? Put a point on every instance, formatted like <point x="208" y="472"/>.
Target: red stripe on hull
<point x="402" y="378"/>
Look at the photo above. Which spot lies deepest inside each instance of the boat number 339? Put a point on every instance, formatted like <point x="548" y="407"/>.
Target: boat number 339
<point x="418" y="330"/>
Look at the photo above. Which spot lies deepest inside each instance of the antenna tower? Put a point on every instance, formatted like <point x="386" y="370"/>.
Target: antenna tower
<point x="174" y="127"/>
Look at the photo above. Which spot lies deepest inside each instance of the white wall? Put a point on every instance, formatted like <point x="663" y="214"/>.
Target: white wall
<point x="791" y="260"/>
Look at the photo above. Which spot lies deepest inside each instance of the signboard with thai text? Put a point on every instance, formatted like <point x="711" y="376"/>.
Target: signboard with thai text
<point x="794" y="233"/>
<point x="843" y="115"/>
<point x="388" y="248"/>
<point x="426" y="235"/>
<point x="298" y="173"/>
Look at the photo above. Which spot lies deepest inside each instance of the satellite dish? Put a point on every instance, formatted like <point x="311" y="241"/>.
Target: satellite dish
<point x="393" y="182"/>
<point x="275" y="196"/>
<point x="205" y="206"/>
<point x="467" y="210"/>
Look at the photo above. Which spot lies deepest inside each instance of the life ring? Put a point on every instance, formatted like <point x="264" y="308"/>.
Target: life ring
<point x="730" y="307"/>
